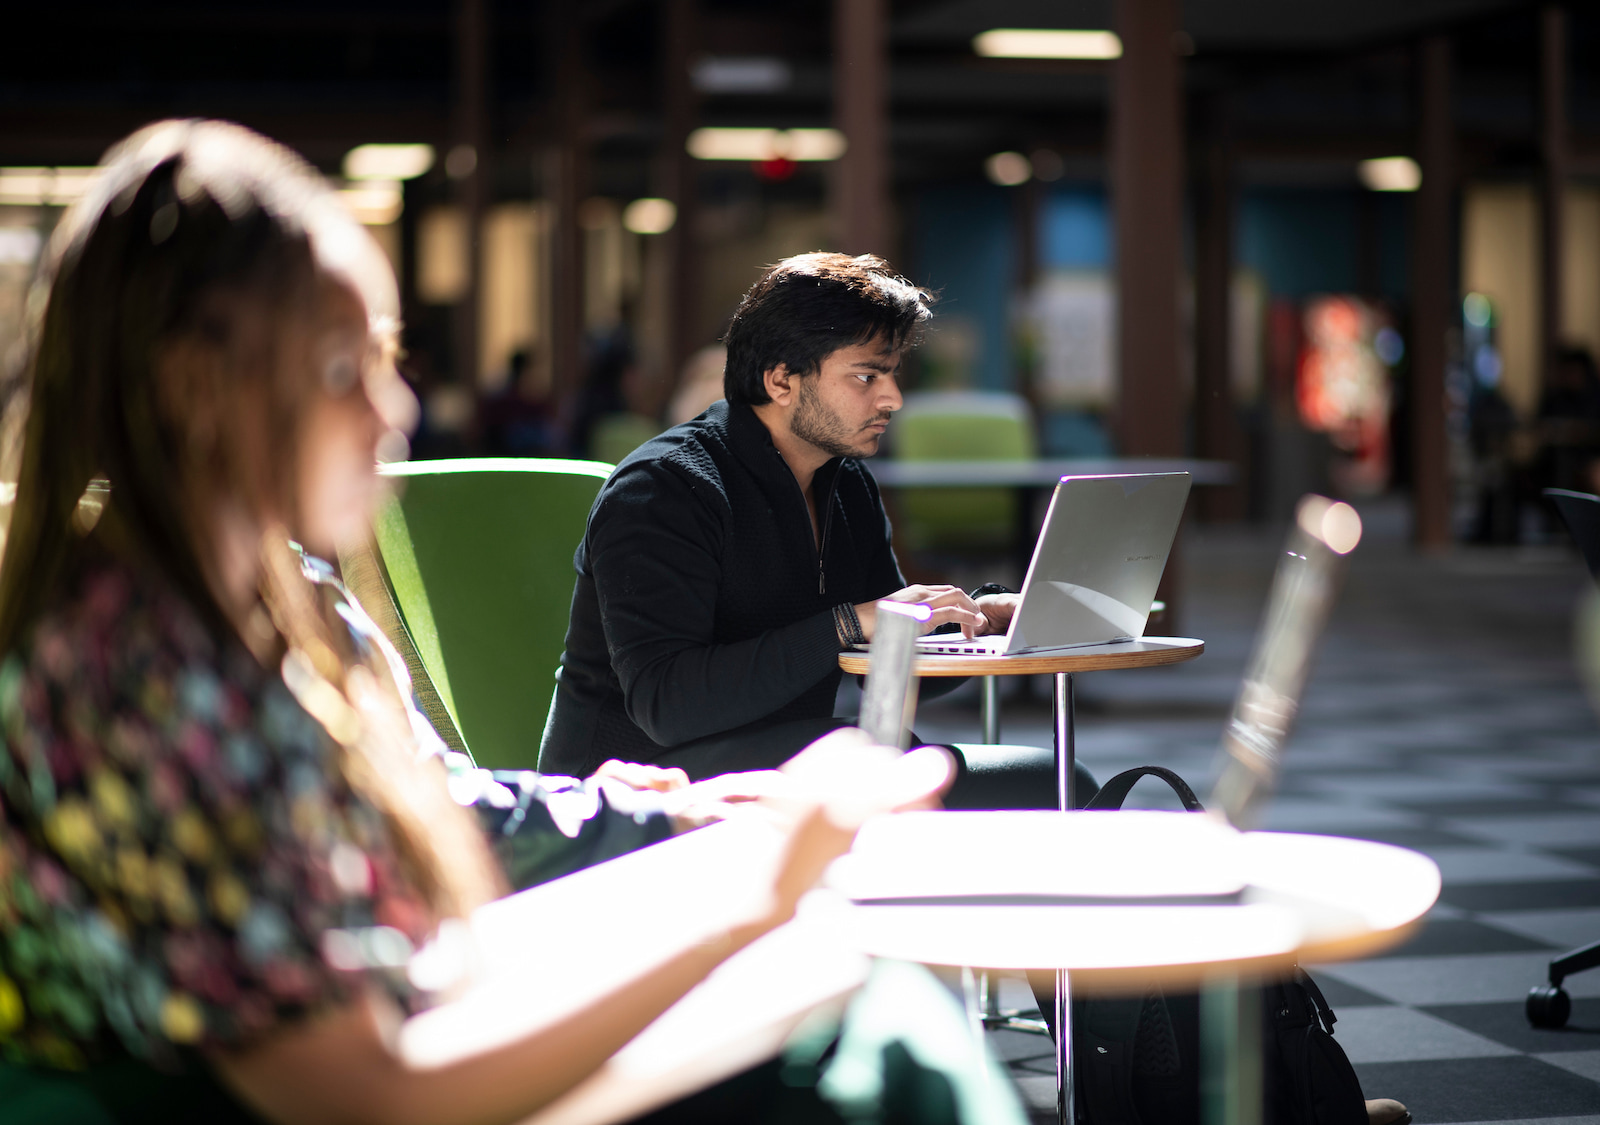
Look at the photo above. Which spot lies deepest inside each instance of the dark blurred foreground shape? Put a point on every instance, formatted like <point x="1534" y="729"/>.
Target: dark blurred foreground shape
<point x="1342" y="246"/>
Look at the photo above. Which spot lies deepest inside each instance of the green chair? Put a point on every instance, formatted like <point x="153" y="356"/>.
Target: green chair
<point x="614" y="436"/>
<point x="961" y="426"/>
<point x="477" y="555"/>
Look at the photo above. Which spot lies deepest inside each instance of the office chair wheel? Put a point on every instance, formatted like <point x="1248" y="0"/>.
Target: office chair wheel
<point x="1548" y="1005"/>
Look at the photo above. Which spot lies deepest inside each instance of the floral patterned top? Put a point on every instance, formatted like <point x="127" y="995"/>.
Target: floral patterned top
<point x="182" y="863"/>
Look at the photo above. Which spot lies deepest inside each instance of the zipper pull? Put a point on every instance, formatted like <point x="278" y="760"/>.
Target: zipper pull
<point x="822" y="579"/>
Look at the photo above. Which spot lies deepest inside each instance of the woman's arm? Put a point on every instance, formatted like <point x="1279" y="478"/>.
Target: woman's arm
<point x="345" y="1067"/>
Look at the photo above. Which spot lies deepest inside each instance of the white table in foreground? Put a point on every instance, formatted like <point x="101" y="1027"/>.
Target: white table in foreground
<point x="1116" y="901"/>
<point x="1299" y="897"/>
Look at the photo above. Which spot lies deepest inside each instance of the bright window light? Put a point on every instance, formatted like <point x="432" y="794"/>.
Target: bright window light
<point x="1008" y="169"/>
<point x="387" y="162"/>
<point x="1043" y="43"/>
<point x="19" y="246"/>
<point x="1390" y="173"/>
<point x="766" y="144"/>
<point x="38" y="186"/>
<point x="650" y="216"/>
<point x="373" y="202"/>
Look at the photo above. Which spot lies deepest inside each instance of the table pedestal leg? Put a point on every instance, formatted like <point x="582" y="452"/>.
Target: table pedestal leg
<point x="1066" y="763"/>
<point x="1066" y="750"/>
<point x="1066" y="1107"/>
<point x="1230" y="1052"/>
<point x="989" y="709"/>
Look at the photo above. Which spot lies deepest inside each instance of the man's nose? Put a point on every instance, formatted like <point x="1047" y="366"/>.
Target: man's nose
<point x="891" y="399"/>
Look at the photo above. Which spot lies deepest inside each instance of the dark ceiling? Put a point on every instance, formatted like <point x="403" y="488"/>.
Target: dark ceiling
<point x="1302" y="84"/>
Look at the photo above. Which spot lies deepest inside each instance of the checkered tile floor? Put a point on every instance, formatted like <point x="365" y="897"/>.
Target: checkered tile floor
<point x="1445" y="716"/>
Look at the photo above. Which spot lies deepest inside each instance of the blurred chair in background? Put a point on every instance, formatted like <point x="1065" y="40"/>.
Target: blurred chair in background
<point x="1549" y="1005"/>
<point x="961" y="426"/>
<point x="477" y="555"/>
<point x="614" y="436"/>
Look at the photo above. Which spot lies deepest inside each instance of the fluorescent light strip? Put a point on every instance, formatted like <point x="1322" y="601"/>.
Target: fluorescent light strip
<point x="37" y="186"/>
<point x="766" y="144"/>
<point x="1045" y="43"/>
<point x="1390" y="173"/>
<point x="387" y="162"/>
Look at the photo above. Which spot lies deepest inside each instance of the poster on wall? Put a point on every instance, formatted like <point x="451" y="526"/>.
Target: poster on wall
<point x="1072" y="319"/>
<point x="1342" y="387"/>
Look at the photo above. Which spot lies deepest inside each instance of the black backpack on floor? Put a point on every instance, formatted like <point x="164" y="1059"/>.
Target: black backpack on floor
<point x="1136" y="1061"/>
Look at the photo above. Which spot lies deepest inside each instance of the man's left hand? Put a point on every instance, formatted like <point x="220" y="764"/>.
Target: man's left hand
<point x="997" y="610"/>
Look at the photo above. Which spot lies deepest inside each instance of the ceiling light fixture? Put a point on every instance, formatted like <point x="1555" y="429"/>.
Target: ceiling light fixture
<point x="766" y="144"/>
<point x="1008" y="169"/>
<point x="374" y="203"/>
<point x="35" y="187"/>
<point x="1044" y="43"/>
<point x="387" y="162"/>
<point x="649" y="216"/>
<point x="1390" y="173"/>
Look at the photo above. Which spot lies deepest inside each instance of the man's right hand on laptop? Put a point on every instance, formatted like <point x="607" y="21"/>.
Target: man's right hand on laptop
<point x="949" y="603"/>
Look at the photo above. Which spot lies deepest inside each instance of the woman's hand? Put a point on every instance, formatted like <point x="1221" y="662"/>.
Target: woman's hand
<point x="832" y="787"/>
<point x="718" y="798"/>
<point x="637" y="775"/>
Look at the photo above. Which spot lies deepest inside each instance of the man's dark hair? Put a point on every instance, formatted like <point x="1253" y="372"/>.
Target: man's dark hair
<point x="807" y="307"/>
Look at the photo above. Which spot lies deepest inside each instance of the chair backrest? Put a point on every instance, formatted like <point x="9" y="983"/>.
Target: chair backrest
<point x="964" y="426"/>
<point x="1580" y="511"/>
<point x="960" y="426"/>
<point x="478" y="554"/>
<point x="614" y="436"/>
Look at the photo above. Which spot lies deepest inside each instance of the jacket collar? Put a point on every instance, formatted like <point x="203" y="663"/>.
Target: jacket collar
<point x="751" y="442"/>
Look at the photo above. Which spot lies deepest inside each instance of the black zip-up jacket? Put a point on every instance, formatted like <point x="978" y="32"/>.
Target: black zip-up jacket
<point x="703" y="603"/>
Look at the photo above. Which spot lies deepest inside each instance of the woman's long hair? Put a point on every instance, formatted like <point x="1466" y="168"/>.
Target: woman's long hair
<point x="193" y="231"/>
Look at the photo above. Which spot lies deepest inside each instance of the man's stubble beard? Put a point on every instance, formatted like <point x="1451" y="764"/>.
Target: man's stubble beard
<point x="819" y="426"/>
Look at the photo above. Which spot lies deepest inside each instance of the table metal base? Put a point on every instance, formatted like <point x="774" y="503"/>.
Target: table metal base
<point x="981" y="1005"/>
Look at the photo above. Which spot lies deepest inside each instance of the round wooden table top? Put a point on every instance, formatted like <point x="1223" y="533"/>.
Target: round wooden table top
<point x="1147" y="900"/>
<point x="1148" y="653"/>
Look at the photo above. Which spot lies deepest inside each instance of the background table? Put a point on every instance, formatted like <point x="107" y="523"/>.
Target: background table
<point x="1035" y="474"/>
<point x="1063" y="664"/>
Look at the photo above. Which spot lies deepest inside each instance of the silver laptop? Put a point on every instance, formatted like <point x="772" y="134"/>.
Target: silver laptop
<point x="1095" y="568"/>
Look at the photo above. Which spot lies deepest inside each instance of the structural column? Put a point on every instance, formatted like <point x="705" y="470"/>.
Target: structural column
<point x="1216" y="419"/>
<point x="1432" y="299"/>
<point x="1147" y="201"/>
<point x="679" y="183"/>
<point x="565" y="176"/>
<point x="861" y="112"/>
<point x="470" y="167"/>
<point x="1554" y="151"/>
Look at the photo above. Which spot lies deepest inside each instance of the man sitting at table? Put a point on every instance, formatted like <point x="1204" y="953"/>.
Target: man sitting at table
<point x="729" y="561"/>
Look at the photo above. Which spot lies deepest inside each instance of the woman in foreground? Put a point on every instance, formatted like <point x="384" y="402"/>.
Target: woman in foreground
<point x="223" y="829"/>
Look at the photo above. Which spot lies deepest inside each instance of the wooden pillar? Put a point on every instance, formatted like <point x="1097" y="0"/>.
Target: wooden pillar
<point x="1147" y="201"/>
<point x="1555" y="158"/>
<point x="1432" y="296"/>
<point x="1216" y="414"/>
<point x="679" y="182"/>
<point x="1027" y="205"/>
<point x="861" y="112"/>
<point x="470" y="128"/>
<point x="566" y="178"/>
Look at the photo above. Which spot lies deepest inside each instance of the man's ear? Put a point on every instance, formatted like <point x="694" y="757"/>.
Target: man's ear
<point x="781" y="384"/>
